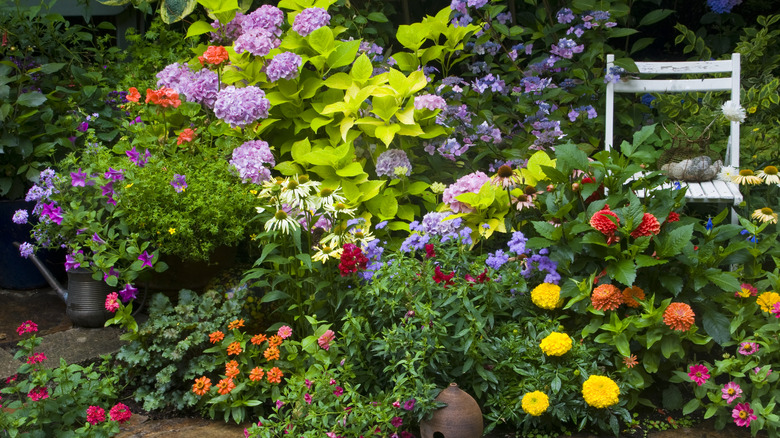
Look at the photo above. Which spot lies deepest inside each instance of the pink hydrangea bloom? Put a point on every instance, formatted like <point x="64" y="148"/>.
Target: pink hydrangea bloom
<point x="283" y="66"/>
<point x="249" y="161"/>
<point x="470" y="183"/>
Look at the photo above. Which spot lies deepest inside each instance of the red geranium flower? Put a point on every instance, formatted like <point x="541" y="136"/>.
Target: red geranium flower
<point x="214" y="55"/>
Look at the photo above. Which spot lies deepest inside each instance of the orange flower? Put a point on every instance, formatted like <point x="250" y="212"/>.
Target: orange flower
<point x="258" y="339"/>
<point x="648" y="227"/>
<point x="216" y="337"/>
<point x="256" y="374"/>
<point x="214" y="55"/>
<point x="133" y="95"/>
<point x="602" y="222"/>
<point x="236" y="323"/>
<point x="164" y="97"/>
<point x="606" y="297"/>
<point x="274" y="375"/>
<point x="225" y="385"/>
<point x="679" y="316"/>
<point x="631" y="295"/>
<point x="231" y="369"/>
<point x="271" y="353"/>
<point x="275" y="341"/>
<point x="630" y="361"/>
<point x="187" y="136"/>
<point x="234" y="348"/>
<point x="201" y="386"/>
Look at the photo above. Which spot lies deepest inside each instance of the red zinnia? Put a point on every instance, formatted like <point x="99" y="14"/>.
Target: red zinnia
<point x="214" y="55"/>
<point x="602" y="221"/>
<point x="673" y="217"/>
<point x="648" y="227"/>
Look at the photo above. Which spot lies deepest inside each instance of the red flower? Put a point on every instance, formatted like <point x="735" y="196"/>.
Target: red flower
<point x="120" y="413"/>
<point x="673" y="217"/>
<point x="133" y="95"/>
<point x="214" y="55"/>
<point x="604" y="222"/>
<point x="186" y="136"/>
<point x="429" y="252"/>
<point x="648" y="227"/>
<point x="439" y="277"/>
<point x="481" y="278"/>
<point x="352" y="259"/>
<point x="164" y="97"/>
<point x="606" y="297"/>
<point x="598" y="194"/>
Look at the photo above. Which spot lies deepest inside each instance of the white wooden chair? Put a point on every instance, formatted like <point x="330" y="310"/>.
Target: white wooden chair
<point x="719" y="192"/>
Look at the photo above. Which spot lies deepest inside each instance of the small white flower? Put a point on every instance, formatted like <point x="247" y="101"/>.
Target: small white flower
<point x="281" y="222"/>
<point x="727" y="173"/>
<point x="732" y="111"/>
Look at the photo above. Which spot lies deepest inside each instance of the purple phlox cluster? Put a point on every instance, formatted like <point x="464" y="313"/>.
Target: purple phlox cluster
<point x="249" y="161"/>
<point x="373" y="253"/>
<point x="267" y="17"/>
<point x="20" y="217"/>
<point x="241" y="106"/>
<point x="565" y="16"/>
<point x="26" y="249"/>
<point x="489" y="133"/>
<point x="429" y="101"/>
<point x="257" y="41"/>
<point x="517" y="243"/>
<point x="200" y="87"/>
<point x="283" y="66"/>
<point x="588" y="110"/>
<point x="390" y="160"/>
<point x="497" y="259"/>
<point x="546" y="133"/>
<point x="722" y="6"/>
<point x="470" y="183"/>
<point x="541" y="263"/>
<point x="566" y="48"/>
<point x="494" y="83"/>
<point x="309" y="20"/>
<point x="136" y="157"/>
<point x="450" y="149"/>
<point x="613" y="74"/>
<point x="179" y="182"/>
<point x="128" y="293"/>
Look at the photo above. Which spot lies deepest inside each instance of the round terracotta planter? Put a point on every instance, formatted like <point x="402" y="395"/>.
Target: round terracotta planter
<point x="461" y="418"/>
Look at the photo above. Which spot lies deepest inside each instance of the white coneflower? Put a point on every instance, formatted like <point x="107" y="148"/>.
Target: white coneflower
<point x="746" y="176"/>
<point x="769" y="175"/>
<point x="297" y="189"/>
<point x="340" y="208"/>
<point x="727" y="173"/>
<point x="281" y="222"/>
<point x="765" y="215"/>
<point x="329" y="196"/>
<point x="325" y="253"/>
<point x="733" y="111"/>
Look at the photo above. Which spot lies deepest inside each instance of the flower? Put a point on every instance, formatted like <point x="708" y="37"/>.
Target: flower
<point x="746" y="176"/>
<point x="147" y="259"/>
<point x="632" y="295"/>
<point x="556" y="344"/>
<point x="390" y="160"/>
<point x="727" y="173"/>
<point x="283" y="66"/>
<point x="767" y="300"/>
<point x="409" y="404"/>
<point x="271" y="353"/>
<point x="649" y="226"/>
<point x="630" y="361"/>
<point x="429" y="101"/>
<point x="742" y="414"/>
<point x="600" y="391"/>
<point x="281" y="221"/>
<point x="256" y="374"/>
<point x="36" y="358"/>
<point x="275" y="341"/>
<point x="225" y="386"/>
<point x="547" y="296"/>
<point x="535" y="403"/>
<point x="769" y="174"/>
<point x="95" y="415"/>
<point x="679" y="316"/>
<point x="731" y="391"/>
<point x="470" y="183"/>
<point x="338" y="392"/>
<point x="27" y="327"/>
<point x="699" y="374"/>
<point x="234" y="348"/>
<point x="164" y="97"/>
<point x="133" y="95"/>
<point x="112" y="302"/>
<point x="214" y="55"/>
<point x="748" y="348"/>
<point x="257" y="339"/>
<point x="26" y="249"/>
<point x="602" y="221"/>
<point x="179" y="182"/>
<point x="765" y="214"/>
<point x="216" y="336"/>
<point x="284" y="332"/>
<point x="120" y="413"/>
<point x="352" y="260"/>
<point x="250" y="159"/>
<point x="746" y="290"/>
<point x="733" y="111"/>
<point x="20" y="216"/>
<point x="241" y="106"/>
<point x="128" y="292"/>
<point x="309" y="20"/>
<point x="326" y="338"/>
<point x="236" y="323"/>
<point x="606" y="297"/>
<point x="397" y="422"/>
<point x="186" y="136"/>
<point x="307" y="398"/>
<point x="274" y="375"/>
<point x="257" y="41"/>
<point x="38" y="393"/>
<point x="201" y="385"/>
<point x="441" y="277"/>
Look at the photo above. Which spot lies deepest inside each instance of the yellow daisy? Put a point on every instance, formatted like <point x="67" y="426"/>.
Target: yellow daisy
<point x="746" y="176"/>
<point x="765" y="215"/>
<point x="770" y="175"/>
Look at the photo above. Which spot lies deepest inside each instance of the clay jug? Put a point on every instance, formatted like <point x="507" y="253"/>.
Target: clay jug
<point x="461" y="418"/>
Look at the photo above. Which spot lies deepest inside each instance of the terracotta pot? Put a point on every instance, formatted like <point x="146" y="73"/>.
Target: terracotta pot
<point x="461" y="418"/>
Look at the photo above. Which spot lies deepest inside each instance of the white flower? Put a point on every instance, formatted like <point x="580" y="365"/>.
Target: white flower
<point x="281" y="222"/>
<point x="727" y="173"/>
<point x="733" y="111"/>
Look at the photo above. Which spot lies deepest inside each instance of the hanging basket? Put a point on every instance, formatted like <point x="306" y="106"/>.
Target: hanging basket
<point x="690" y="159"/>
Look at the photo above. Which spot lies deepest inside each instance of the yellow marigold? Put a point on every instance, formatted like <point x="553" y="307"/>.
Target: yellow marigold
<point x="679" y="316"/>
<point x="767" y="300"/>
<point x="606" y="297"/>
<point x="556" y="344"/>
<point x="547" y="296"/>
<point x="600" y="391"/>
<point x="535" y="403"/>
<point x="632" y="295"/>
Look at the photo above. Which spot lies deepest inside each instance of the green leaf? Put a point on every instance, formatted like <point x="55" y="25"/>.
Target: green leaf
<point x="31" y="99"/>
<point x="344" y="54"/>
<point x="352" y="169"/>
<point x="621" y="343"/>
<point x="172" y="11"/>
<point x="322" y="40"/>
<point x="377" y="17"/>
<point x="52" y="67"/>
<point x="386" y="133"/>
<point x="411" y="36"/>
<point x="727" y="281"/>
<point x="547" y="230"/>
<point x="691" y="406"/>
<point x="717" y="325"/>
<point x="643" y="261"/>
<point x="655" y="16"/>
<point x="362" y="69"/>
<point x="623" y="271"/>
<point x="672" y="398"/>
<point x="199" y="28"/>
<point x="671" y="244"/>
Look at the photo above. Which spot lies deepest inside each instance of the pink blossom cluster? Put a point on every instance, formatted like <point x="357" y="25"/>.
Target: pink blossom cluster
<point x="470" y="183"/>
<point x="241" y="106"/>
<point x="391" y="159"/>
<point x="285" y="65"/>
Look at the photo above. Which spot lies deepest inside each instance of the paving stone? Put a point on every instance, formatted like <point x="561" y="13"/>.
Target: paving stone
<point x="8" y="365"/>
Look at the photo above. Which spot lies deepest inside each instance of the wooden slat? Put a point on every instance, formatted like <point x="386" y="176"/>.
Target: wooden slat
<point x="673" y="85"/>
<point x="695" y="193"/>
<point x="710" y="192"/>
<point x="685" y="67"/>
<point x="730" y="190"/>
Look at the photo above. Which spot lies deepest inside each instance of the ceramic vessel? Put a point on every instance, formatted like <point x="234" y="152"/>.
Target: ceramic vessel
<point x="461" y="418"/>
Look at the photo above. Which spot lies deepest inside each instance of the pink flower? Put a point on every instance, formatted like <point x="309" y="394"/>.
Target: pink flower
<point x="284" y="332"/>
<point x="338" y="391"/>
<point x="27" y="327"/>
<point x="95" y="415"/>
<point x="38" y="393"/>
<point x="731" y="392"/>
<point x="409" y="404"/>
<point x="279" y="404"/>
<point x="307" y="382"/>
<point x="742" y="414"/>
<point x="748" y="348"/>
<point x="396" y="404"/>
<point x="326" y="338"/>
<point x="699" y="374"/>
<point x="36" y="358"/>
<point x="397" y="422"/>
<point x="120" y="413"/>
<point x="307" y="398"/>
<point x="112" y="302"/>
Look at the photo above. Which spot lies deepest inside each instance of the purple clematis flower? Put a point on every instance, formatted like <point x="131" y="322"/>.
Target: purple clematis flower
<point x="78" y="179"/>
<point x="147" y="259"/>
<point x="128" y="293"/>
<point x="113" y="174"/>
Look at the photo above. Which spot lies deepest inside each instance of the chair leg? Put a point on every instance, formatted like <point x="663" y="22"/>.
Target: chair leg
<point x="734" y="216"/>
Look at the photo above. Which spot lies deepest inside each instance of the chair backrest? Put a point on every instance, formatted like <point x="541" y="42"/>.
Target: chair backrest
<point x="655" y="85"/>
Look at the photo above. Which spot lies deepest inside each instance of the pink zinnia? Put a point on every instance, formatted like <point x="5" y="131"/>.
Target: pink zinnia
<point x="38" y="393"/>
<point x="699" y="374"/>
<point x="742" y="414"/>
<point x="284" y="332"/>
<point x="326" y="338"/>
<point x="731" y="391"/>
<point x="27" y="327"/>
<point x="120" y="413"/>
<point x="95" y="415"/>
<point x="748" y="348"/>
<point x="112" y="302"/>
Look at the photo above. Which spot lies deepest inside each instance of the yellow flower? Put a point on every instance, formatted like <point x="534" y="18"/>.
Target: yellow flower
<point x="600" y="391"/>
<point x="752" y="109"/>
<point x="556" y="344"/>
<point x="746" y="176"/>
<point x="765" y="215"/>
<point x="129" y="185"/>
<point x="171" y="230"/>
<point x="547" y="296"/>
<point x="769" y="175"/>
<point x="535" y="403"/>
<point x="767" y="300"/>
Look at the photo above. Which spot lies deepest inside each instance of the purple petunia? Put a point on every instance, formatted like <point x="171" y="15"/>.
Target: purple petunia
<point x="78" y="179"/>
<point x="241" y="106"/>
<point x="249" y="161"/>
<point x="114" y="175"/>
<point x="309" y="20"/>
<point x="179" y="182"/>
<point x="128" y="293"/>
<point x="71" y="262"/>
<point x="147" y="259"/>
<point x="391" y="159"/>
<point x="283" y="66"/>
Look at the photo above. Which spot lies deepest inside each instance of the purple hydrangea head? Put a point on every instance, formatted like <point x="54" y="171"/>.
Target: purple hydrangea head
<point x="391" y="159"/>
<point x="267" y="17"/>
<point x="722" y="6"/>
<point x="565" y="16"/>
<point x="241" y="106"/>
<point x="429" y="101"/>
<point x="309" y="20"/>
<point x="225" y="34"/>
<point x="470" y="183"/>
<point x="249" y="161"/>
<point x="256" y="41"/>
<point x="285" y="65"/>
<point x="201" y="88"/>
<point x="174" y="75"/>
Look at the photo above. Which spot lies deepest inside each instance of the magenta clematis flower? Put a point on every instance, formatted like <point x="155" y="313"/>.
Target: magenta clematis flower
<point x="699" y="374"/>
<point x="742" y="414"/>
<point x="114" y="175"/>
<point x="78" y="179"/>
<point x="731" y="391"/>
<point x="147" y="259"/>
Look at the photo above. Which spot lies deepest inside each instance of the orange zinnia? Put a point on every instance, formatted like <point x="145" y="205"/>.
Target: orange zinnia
<point x="236" y="323"/>
<point x="630" y="361"/>
<point x="231" y="369"/>
<point x="216" y="337"/>
<point x="225" y="385"/>
<point x="133" y="95"/>
<point x="606" y="297"/>
<point x="605" y="220"/>
<point x="631" y="295"/>
<point x="258" y="339"/>
<point x="201" y="386"/>
<point x="271" y="353"/>
<point x="275" y="341"/>
<point x="679" y="316"/>
<point x="234" y="348"/>
<point x="256" y="374"/>
<point x="274" y="375"/>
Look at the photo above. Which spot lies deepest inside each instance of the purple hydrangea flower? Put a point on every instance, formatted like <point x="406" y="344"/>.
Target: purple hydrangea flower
<point x="309" y="20"/>
<point x="429" y="101"/>
<point x="283" y="66"/>
<point x="565" y="16"/>
<point x="267" y="17"/>
<point x="256" y="41"/>
<point x="566" y="48"/>
<point x="436" y="223"/>
<point x="26" y="249"/>
<point x="174" y="76"/>
<point x="179" y="182"/>
<point x="202" y="88"/>
<point x="470" y="183"/>
<point x="389" y="160"/>
<point x="451" y="149"/>
<point x="722" y="6"/>
<point x="241" y="106"/>
<point x="225" y="34"/>
<point x="249" y="161"/>
<point x="20" y="217"/>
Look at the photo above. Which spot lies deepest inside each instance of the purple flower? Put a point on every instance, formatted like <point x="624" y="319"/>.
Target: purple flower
<point x="128" y="293"/>
<point x="179" y="182"/>
<point x="409" y="404"/>
<point x="566" y="48"/>
<point x="517" y="243"/>
<point x="97" y="239"/>
<point x="52" y="212"/>
<point x="470" y="183"/>
<point x="26" y="249"/>
<point x="249" y="161"/>
<point x="283" y="66"/>
<point x="256" y="41"/>
<point x="722" y="6"/>
<point x="135" y="157"/>
<point x="309" y="20"/>
<point x="174" y="76"/>
<point x="391" y="159"/>
<point x="497" y="259"/>
<point x="83" y="126"/>
<point x="71" y="262"/>
<point x="78" y="179"/>
<point x="35" y="193"/>
<point x="266" y="17"/>
<point x="200" y="87"/>
<point x="108" y="189"/>
<point x="20" y="217"/>
<point x="147" y="259"/>
<point x="380" y="225"/>
<point x="113" y="174"/>
<point x="111" y="273"/>
<point x="565" y="16"/>
<point x="397" y="422"/>
<point x="415" y="242"/>
<point x="429" y="101"/>
<point x="241" y="106"/>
